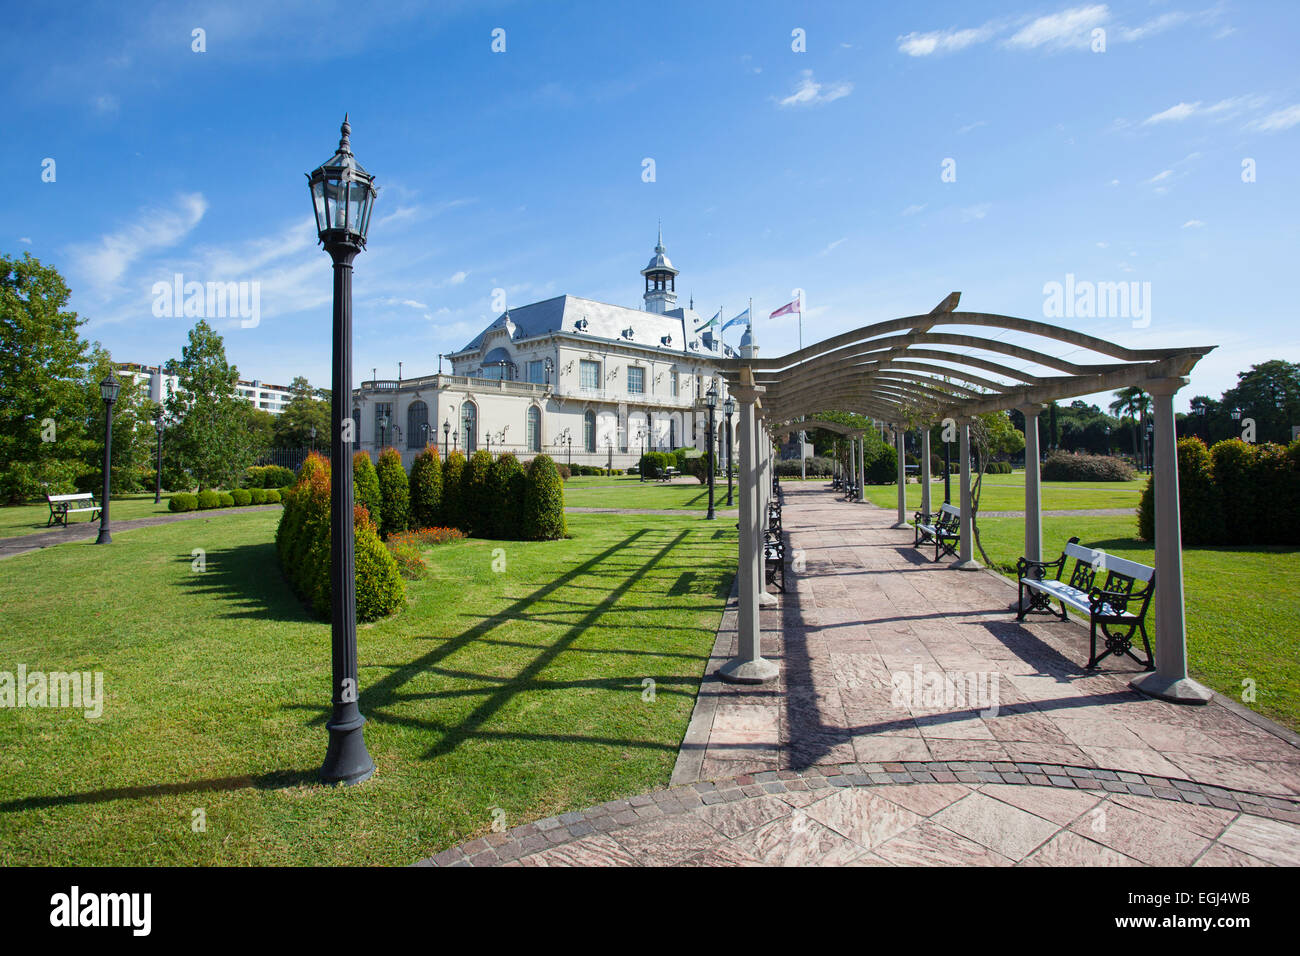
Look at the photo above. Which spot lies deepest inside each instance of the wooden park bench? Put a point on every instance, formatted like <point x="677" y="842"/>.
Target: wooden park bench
<point x="63" y="505"/>
<point x="942" y="528"/>
<point x="1118" y="606"/>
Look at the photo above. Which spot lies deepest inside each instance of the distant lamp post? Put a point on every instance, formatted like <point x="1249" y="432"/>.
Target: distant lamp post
<point x="424" y="434"/>
<point x="446" y="437"/>
<point x="383" y="429"/>
<point x="711" y="400"/>
<point x="1151" y="433"/>
<point x="108" y="390"/>
<point x="157" y="476"/>
<point x="729" y="409"/>
<point x="1105" y="430"/>
<point x="1236" y="414"/>
<point x="609" y="466"/>
<point x="343" y="197"/>
<point x="570" y="451"/>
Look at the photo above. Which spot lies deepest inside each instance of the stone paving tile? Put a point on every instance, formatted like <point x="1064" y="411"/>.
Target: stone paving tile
<point x="1005" y="829"/>
<point x="1269" y="840"/>
<point x="797" y="840"/>
<point x="928" y="844"/>
<point x="1142" y="836"/>
<point x="1057" y="806"/>
<point x="1071" y="849"/>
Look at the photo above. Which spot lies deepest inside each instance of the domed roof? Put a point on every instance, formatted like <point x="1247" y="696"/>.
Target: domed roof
<point x="660" y="262"/>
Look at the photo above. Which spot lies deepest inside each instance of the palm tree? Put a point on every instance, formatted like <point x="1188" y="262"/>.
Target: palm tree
<point x="1135" y="402"/>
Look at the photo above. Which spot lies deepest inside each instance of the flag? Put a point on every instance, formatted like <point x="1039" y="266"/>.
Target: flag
<point x="712" y="321"/>
<point x="790" y="308"/>
<point x="738" y="320"/>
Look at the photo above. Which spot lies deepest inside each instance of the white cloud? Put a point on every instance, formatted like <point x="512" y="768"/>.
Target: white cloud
<point x="832" y="246"/>
<point x="26" y="239"/>
<point x="1059" y="31"/>
<point x="1102" y="245"/>
<point x="1160" y="176"/>
<point x="104" y="262"/>
<point x="106" y="103"/>
<point x="978" y="211"/>
<point x="1152" y="27"/>
<point x="944" y="41"/>
<point x="1278" y="120"/>
<point x="970" y="126"/>
<point x="1179" y="111"/>
<point x="913" y="209"/>
<point x="457" y="278"/>
<point x="1193" y="224"/>
<point x="808" y="92"/>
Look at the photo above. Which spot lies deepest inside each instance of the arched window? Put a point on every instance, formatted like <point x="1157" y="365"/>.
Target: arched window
<point x="533" y="429"/>
<point x="417" y="421"/>
<point x="589" y="431"/>
<point x="469" y="427"/>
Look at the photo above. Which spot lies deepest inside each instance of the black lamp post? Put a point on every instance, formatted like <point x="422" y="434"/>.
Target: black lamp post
<point x="711" y="400"/>
<point x="108" y="390"/>
<point x="1151" y="434"/>
<point x="383" y="430"/>
<point x="446" y="438"/>
<point x="424" y="434"/>
<point x="343" y="196"/>
<point x="570" y="451"/>
<point x="157" y="477"/>
<point x="729" y="409"/>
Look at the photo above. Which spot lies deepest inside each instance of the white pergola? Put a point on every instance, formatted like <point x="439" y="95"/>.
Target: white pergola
<point x="949" y="366"/>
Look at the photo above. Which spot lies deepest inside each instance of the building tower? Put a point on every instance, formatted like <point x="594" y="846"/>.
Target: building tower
<point x="660" y="280"/>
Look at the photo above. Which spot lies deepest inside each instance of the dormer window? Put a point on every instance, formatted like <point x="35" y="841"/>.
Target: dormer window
<point x="666" y="340"/>
<point x="581" y="325"/>
<point x="629" y="332"/>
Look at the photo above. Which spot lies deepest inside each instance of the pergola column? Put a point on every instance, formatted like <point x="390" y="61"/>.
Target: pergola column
<point x="853" y="466"/>
<point x="766" y="459"/>
<point x="899" y="444"/>
<point x="862" y="467"/>
<point x="1169" y="681"/>
<point x="1033" y="494"/>
<point x="748" y="666"/>
<point x="966" y="552"/>
<point x="925" y="469"/>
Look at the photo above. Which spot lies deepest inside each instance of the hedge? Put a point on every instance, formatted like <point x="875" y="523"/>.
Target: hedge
<point x="507" y="486"/>
<point x="257" y="496"/>
<point x="183" y="501"/>
<point x="241" y="498"/>
<point x="267" y="476"/>
<point x="543" y="510"/>
<point x="476" y="495"/>
<point x="426" y="488"/>
<point x="273" y="496"/>
<point x="1065" y="466"/>
<point x="302" y="542"/>
<point x="394" y="493"/>
<point x="365" y="483"/>
<point x="1200" y="502"/>
<point x="453" y="506"/>
<point x="208" y="500"/>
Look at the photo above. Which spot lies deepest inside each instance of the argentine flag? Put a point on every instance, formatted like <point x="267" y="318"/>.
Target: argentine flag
<point x="743" y="318"/>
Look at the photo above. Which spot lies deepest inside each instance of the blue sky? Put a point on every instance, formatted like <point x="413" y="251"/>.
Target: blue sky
<point x="774" y="169"/>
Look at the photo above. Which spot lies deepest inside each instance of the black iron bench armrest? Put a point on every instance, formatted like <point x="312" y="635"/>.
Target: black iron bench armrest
<point x="1118" y="600"/>
<point x="1024" y="565"/>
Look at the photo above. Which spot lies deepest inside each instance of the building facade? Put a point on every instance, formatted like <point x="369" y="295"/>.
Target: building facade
<point x="583" y="381"/>
<point x="269" y="398"/>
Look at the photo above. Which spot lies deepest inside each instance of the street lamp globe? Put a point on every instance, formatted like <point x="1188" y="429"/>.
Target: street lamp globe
<point x="711" y="397"/>
<point x="729" y="406"/>
<point x="342" y="195"/>
<point x="109" y="389"/>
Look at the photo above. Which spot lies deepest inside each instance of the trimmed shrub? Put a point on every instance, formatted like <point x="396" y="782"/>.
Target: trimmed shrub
<point x="565" y="471"/>
<point x="303" y="544"/>
<point x="654" y="463"/>
<point x="882" y="467"/>
<point x="999" y="468"/>
<point x="240" y="497"/>
<point x="394" y="493"/>
<point x="365" y="484"/>
<point x="453" y="501"/>
<point x="1064" y="466"/>
<point x="476" y="495"/>
<point x="543" y="512"/>
<point x="506" y="488"/>
<point x="226" y="499"/>
<point x="426" y="488"/>
<point x="273" y="496"/>
<point x="1200" y="502"/>
<point x="208" y="500"/>
<point x="183" y="501"/>
<point x="1232" y="473"/>
<point x="257" y="496"/>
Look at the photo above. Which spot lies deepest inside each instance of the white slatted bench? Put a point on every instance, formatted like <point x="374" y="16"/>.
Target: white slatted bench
<point x="942" y="528"/>
<point x="1117" y="606"/>
<point x="63" y="505"/>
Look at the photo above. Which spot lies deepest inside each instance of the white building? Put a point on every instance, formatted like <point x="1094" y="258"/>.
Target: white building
<point x="269" y="398"/>
<point x="580" y="380"/>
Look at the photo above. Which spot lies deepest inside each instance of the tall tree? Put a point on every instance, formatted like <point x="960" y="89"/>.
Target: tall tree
<point x="208" y="437"/>
<point x="42" y="364"/>
<point x="305" y="410"/>
<point x="1270" y="395"/>
<point x="1133" y="402"/>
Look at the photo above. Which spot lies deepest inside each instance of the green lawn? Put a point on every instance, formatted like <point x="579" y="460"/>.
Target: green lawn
<point x="26" y="519"/>
<point x="628" y="491"/>
<point x="1239" y="604"/>
<point x="518" y="693"/>
<point x="1007" y="493"/>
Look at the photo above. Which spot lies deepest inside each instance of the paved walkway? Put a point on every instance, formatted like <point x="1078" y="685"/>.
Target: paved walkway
<point x="82" y="530"/>
<point x="837" y="764"/>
